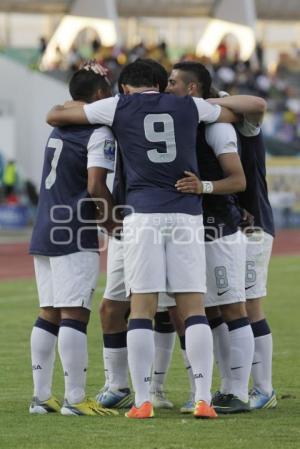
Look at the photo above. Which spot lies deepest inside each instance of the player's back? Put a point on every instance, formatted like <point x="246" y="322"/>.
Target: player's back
<point x="157" y="137"/>
<point x="61" y="213"/>
<point x="255" y="198"/>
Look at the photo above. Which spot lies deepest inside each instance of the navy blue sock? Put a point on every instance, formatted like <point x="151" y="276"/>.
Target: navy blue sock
<point x="74" y="324"/>
<point x="47" y="326"/>
<point x="162" y="323"/>
<point x="236" y="324"/>
<point x="215" y="322"/>
<point x="260" y="328"/>
<point x="118" y="340"/>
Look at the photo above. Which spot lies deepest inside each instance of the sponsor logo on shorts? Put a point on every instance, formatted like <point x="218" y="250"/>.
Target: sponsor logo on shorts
<point x="222" y="293"/>
<point x="249" y="286"/>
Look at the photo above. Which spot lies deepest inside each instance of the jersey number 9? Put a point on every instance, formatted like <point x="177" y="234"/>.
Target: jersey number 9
<point x="167" y="136"/>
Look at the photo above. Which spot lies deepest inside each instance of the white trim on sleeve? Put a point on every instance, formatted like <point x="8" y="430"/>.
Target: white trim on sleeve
<point x="221" y="137"/>
<point x="208" y="113"/>
<point x="247" y="128"/>
<point x="101" y="111"/>
<point x="101" y="149"/>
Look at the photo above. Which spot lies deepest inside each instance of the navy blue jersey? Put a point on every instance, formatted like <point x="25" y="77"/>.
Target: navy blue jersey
<point x="65" y="207"/>
<point x="157" y="138"/>
<point x="255" y="198"/>
<point x="119" y="185"/>
<point x="221" y="213"/>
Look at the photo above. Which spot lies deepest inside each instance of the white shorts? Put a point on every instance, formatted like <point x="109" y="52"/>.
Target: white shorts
<point x="259" y="248"/>
<point x="115" y="283"/>
<point x="164" y="253"/>
<point x="225" y="270"/>
<point x="67" y="281"/>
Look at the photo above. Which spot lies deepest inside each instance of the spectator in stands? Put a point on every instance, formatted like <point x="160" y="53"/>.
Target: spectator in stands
<point x="9" y="178"/>
<point x="74" y="59"/>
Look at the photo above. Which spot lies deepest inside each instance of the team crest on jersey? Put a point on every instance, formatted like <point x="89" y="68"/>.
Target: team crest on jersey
<point x="109" y="150"/>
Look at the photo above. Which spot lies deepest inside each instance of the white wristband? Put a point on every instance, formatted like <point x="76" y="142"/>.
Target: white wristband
<point x="207" y="187"/>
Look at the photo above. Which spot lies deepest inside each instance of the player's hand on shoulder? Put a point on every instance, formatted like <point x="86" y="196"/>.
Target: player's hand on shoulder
<point x="94" y="66"/>
<point x="189" y="184"/>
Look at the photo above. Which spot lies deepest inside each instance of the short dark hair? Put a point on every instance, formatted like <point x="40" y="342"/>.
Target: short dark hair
<point x="159" y="71"/>
<point x="196" y="72"/>
<point x="85" y="83"/>
<point x="138" y="74"/>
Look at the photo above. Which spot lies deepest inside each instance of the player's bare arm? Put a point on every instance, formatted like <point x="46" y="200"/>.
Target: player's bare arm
<point x="234" y="178"/>
<point x="228" y="116"/>
<point x="250" y="106"/>
<point x="65" y="115"/>
<point x="102" y="197"/>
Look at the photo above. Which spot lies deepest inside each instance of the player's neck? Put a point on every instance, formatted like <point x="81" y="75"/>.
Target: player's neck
<point x="143" y="89"/>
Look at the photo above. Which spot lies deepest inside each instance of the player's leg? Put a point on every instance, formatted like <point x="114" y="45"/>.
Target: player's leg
<point x="75" y="278"/>
<point x="43" y="341"/>
<point x="199" y="349"/>
<point x="221" y="347"/>
<point x="73" y="352"/>
<point x="186" y="279"/>
<point x="113" y="315"/>
<point x="262" y="394"/>
<point x="189" y="405"/>
<point x="140" y="342"/>
<point x="145" y="274"/>
<point x="114" y="311"/>
<point x="258" y="256"/>
<point x="241" y="343"/>
<point x="226" y="290"/>
<point x="164" y="340"/>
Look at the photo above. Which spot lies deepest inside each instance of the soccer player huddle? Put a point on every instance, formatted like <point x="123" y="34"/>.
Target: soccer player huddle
<point x="190" y="237"/>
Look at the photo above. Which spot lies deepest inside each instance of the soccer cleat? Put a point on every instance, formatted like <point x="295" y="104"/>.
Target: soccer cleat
<point x="203" y="410"/>
<point x="38" y="407"/>
<point x="189" y="406"/>
<point x="159" y="400"/>
<point x="88" y="407"/>
<point x="259" y="400"/>
<point x="217" y="396"/>
<point x="228" y="403"/>
<point x="122" y="398"/>
<point x="103" y="390"/>
<point x="145" y="411"/>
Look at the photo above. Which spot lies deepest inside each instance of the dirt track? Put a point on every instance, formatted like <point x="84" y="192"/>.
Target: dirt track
<point x="16" y="263"/>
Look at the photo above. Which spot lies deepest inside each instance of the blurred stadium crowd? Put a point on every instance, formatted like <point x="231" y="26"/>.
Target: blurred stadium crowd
<point x="280" y="85"/>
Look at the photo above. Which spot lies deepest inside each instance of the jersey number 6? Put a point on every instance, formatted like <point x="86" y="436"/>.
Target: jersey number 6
<point x="167" y="136"/>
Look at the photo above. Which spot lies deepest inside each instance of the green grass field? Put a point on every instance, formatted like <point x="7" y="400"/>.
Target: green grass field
<point x="278" y="428"/>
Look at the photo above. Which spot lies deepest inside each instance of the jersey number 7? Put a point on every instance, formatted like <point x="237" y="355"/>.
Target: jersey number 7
<point x="57" y="144"/>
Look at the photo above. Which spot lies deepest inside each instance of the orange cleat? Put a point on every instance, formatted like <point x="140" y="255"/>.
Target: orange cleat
<point x="145" y="411"/>
<point x="204" y="411"/>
